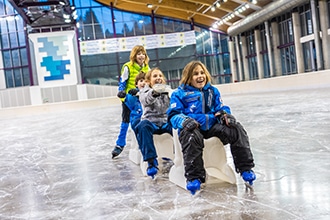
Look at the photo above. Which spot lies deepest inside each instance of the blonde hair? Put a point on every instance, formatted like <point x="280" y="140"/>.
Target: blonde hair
<point x="188" y="72"/>
<point x="149" y="73"/>
<point x="134" y="52"/>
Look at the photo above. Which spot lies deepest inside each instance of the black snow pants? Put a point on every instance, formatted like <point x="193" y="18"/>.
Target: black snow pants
<point x="192" y="148"/>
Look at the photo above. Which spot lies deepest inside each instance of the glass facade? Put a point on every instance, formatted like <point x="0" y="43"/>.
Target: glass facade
<point x="13" y="47"/>
<point x="96" y="21"/>
<point x="211" y="47"/>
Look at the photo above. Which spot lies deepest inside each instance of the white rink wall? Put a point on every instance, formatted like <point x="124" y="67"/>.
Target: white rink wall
<point x="320" y="79"/>
<point x="90" y="96"/>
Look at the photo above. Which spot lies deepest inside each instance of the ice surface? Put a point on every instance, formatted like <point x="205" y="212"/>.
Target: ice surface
<point x="59" y="166"/>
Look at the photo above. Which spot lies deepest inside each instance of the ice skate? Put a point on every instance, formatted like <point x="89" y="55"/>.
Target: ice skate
<point x="152" y="168"/>
<point x="193" y="186"/>
<point x="248" y="177"/>
<point x="116" y="151"/>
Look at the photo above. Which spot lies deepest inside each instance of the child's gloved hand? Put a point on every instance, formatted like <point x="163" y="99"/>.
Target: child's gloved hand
<point x="226" y="119"/>
<point x="155" y="93"/>
<point x="121" y="94"/>
<point x="133" y="92"/>
<point x="190" y="124"/>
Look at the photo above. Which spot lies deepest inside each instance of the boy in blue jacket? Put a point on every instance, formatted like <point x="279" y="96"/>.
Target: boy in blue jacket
<point x="197" y="111"/>
<point x="133" y="104"/>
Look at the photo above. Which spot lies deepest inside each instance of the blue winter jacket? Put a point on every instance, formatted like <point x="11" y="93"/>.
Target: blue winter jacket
<point x="133" y="103"/>
<point x="199" y="104"/>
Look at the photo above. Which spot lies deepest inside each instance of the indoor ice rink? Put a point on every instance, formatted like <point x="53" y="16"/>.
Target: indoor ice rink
<point x="59" y="166"/>
<point x="60" y="64"/>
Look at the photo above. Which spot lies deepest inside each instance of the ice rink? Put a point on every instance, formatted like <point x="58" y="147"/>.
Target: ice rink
<point x="59" y="166"/>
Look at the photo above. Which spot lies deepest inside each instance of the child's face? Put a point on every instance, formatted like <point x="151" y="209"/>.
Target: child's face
<point x="199" y="78"/>
<point x="157" y="78"/>
<point x="140" y="58"/>
<point x="141" y="83"/>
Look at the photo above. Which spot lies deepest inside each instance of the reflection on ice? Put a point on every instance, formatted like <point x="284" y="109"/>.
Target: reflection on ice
<point x="59" y="166"/>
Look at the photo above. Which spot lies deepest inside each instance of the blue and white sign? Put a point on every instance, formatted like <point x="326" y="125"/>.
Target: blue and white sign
<point x="55" y="58"/>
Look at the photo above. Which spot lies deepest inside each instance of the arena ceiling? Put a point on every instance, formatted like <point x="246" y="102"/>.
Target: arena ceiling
<point x="216" y="14"/>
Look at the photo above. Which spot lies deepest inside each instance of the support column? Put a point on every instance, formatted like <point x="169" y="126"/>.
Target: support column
<point x="269" y="49"/>
<point x="324" y="21"/>
<point x="244" y="60"/>
<point x="239" y="59"/>
<point x="2" y="75"/>
<point x="233" y="68"/>
<point x="260" y="61"/>
<point x="317" y="39"/>
<point x="277" y="65"/>
<point x="298" y="45"/>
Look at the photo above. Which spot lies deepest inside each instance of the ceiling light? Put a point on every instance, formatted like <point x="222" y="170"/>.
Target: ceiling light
<point x="212" y="8"/>
<point x="217" y="4"/>
<point x="149" y="5"/>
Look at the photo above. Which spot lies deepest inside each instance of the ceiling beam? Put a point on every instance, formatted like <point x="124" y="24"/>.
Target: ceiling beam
<point x="173" y="5"/>
<point x="20" y="11"/>
<point x="253" y="6"/>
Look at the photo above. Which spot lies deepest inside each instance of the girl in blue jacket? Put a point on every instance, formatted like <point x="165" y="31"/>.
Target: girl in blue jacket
<point x="197" y="111"/>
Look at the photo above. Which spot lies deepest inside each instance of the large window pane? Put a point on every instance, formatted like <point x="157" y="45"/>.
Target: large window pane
<point x="9" y="78"/>
<point x="18" y="77"/>
<point x="26" y="77"/>
<point x="7" y="59"/>
<point x="5" y="41"/>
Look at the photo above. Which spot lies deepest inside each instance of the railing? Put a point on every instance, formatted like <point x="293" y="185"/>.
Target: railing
<point x="34" y="95"/>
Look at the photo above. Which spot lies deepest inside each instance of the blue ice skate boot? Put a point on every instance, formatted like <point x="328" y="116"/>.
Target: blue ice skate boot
<point x="152" y="167"/>
<point x="248" y="177"/>
<point x="116" y="151"/>
<point x="193" y="186"/>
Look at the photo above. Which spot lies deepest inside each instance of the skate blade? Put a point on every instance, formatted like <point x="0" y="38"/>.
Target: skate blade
<point x="197" y="193"/>
<point x="248" y="186"/>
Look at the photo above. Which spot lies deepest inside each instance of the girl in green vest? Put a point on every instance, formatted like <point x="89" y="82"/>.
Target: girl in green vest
<point x="138" y="62"/>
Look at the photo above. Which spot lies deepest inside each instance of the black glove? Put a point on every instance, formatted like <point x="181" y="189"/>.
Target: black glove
<point x="121" y="94"/>
<point x="227" y="119"/>
<point x="190" y="124"/>
<point x="155" y="94"/>
<point x="133" y="92"/>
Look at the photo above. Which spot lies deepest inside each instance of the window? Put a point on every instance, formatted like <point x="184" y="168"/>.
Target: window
<point x="251" y="55"/>
<point x="287" y="50"/>
<point x="13" y="47"/>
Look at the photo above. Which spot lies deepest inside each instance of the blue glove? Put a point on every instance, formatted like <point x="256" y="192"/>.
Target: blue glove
<point x="121" y="94"/>
<point x="190" y="124"/>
